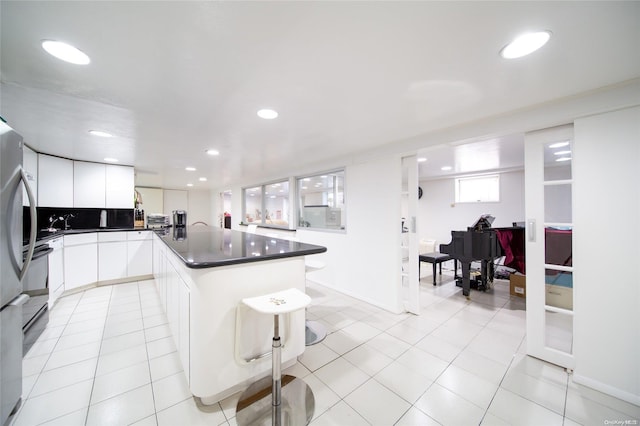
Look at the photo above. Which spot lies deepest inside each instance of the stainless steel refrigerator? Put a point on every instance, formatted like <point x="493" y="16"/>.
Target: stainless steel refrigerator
<point x="12" y="267"/>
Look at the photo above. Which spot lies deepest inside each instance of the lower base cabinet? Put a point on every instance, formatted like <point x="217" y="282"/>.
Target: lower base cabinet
<point x="80" y="264"/>
<point x="175" y="298"/>
<point x="112" y="261"/>
<point x="56" y="270"/>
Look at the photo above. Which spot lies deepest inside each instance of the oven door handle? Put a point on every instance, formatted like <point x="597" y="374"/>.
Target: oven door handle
<point x="34" y="223"/>
<point x="20" y="300"/>
<point x="41" y="253"/>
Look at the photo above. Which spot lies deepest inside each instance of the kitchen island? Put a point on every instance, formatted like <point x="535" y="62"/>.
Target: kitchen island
<point x="201" y="275"/>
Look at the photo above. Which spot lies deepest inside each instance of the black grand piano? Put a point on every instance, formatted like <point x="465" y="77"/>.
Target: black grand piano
<point x="484" y="244"/>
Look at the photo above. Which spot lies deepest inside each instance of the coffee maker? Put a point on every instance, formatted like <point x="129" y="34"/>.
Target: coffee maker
<point x="179" y="218"/>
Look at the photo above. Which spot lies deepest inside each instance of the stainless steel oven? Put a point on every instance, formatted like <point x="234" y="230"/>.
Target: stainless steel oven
<point x="35" y="312"/>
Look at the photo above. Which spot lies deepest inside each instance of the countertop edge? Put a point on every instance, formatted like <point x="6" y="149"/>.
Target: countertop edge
<point x="253" y="259"/>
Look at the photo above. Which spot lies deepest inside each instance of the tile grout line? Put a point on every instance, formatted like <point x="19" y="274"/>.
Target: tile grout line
<point x="95" y="372"/>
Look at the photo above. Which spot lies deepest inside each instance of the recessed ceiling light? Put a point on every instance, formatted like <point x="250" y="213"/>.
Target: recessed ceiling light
<point x="189" y="184"/>
<point x="267" y="114"/>
<point x="213" y="152"/>
<point x="422" y="159"/>
<point x="525" y="44"/>
<point x="446" y="168"/>
<point x="563" y="159"/>
<point x="202" y="179"/>
<point x="100" y="133"/>
<point x="559" y="144"/>
<point x="562" y="152"/>
<point x="190" y="169"/>
<point x="111" y="160"/>
<point x="65" y="52"/>
<point x="304" y="187"/>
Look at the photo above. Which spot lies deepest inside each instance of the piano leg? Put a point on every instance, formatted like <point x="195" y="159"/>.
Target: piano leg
<point x="466" y="271"/>
<point x="483" y="275"/>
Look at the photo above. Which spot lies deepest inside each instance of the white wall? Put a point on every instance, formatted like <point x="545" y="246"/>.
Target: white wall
<point x="438" y="215"/>
<point x="152" y="200"/>
<point x="364" y="261"/>
<point x="605" y="252"/>
<point x="200" y="207"/>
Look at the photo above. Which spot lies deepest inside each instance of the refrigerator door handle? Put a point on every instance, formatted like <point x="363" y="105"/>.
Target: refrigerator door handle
<point x="34" y="223"/>
<point x="20" y="300"/>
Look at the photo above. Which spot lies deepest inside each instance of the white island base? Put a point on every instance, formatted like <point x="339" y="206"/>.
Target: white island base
<point x="224" y="346"/>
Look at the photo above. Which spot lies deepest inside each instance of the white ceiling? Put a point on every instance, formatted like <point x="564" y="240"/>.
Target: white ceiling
<point x="171" y="79"/>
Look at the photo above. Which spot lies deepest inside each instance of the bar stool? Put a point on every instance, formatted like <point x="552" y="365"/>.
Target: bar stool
<point x="314" y="331"/>
<point x="276" y="400"/>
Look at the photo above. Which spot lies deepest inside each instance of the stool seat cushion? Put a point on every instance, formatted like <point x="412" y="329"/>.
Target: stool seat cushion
<point x="280" y="302"/>
<point x="434" y="257"/>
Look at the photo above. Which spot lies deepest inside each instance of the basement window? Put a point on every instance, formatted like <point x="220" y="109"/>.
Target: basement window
<point x="267" y="205"/>
<point x="478" y="189"/>
<point x="321" y="201"/>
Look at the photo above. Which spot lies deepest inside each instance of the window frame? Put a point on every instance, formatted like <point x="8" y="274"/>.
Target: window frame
<point x="263" y="202"/>
<point x="342" y="228"/>
<point x="476" y="178"/>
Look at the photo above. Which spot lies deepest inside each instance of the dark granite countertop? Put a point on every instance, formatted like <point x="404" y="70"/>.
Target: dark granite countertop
<point x="200" y="247"/>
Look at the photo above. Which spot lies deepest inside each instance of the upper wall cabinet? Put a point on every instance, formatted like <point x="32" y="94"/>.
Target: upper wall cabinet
<point x="55" y="183"/>
<point x="30" y="166"/>
<point x="89" y="184"/>
<point x="119" y="187"/>
<point x="67" y="183"/>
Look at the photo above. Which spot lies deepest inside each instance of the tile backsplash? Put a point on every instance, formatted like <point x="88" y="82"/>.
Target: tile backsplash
<point x="78" y="219"/>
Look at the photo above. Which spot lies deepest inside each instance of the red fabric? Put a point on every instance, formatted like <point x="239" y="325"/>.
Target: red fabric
<point x="558" y="247"/>
<point x="512" y="242"/>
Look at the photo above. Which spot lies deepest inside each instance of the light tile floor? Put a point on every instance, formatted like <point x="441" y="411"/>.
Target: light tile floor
<point x="107" y="357"/>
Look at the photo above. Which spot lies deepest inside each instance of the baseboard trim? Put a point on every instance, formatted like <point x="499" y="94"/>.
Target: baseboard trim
<point x="605" y="388"/>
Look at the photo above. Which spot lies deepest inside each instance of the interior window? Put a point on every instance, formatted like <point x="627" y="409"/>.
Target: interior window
<point x="321" y="201"/>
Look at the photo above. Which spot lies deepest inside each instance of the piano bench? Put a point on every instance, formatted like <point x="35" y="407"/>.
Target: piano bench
<point x="434" y="259"/>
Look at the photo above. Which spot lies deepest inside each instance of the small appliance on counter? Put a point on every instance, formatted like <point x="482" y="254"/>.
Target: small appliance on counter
<point x="179" y="218"/>
<point x="157" y="220"/>
<point x="103" y="219"/>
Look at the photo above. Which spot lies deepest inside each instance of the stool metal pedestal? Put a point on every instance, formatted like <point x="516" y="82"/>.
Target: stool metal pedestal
<point x="276" y="399"/>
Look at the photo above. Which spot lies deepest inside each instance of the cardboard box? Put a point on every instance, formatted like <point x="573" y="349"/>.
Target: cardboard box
<point x="559" y="296"/>
<point x="518" y="285"/>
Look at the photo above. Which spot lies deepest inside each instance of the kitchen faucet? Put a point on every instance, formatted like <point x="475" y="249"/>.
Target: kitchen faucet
<point x="66" y="219"/>
<point x="52" y="221"/>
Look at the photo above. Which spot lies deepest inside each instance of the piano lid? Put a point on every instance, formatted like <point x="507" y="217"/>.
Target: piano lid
<point x="483" y="222"/>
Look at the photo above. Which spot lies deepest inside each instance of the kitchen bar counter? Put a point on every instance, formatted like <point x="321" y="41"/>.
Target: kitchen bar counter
<point x="200" y="247"/>
<point x="202" y="274"/>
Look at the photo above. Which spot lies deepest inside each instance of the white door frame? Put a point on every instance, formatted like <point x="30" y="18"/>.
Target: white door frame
<point x="538" y="310"/>
<point x="409" y="238"/>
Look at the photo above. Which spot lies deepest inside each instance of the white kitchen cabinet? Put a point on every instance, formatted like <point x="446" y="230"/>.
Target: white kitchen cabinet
<point x="178" y="314"/>
<point x="80" y="260"/>
<point x="119" y="189"/>
<point x="140" y="253"/>
<point x="184" y="326"/>
<point x="30" y="166"/>
<point x="112" y="256"/>
<point x="55" y="181"/>
<point x="89" y="182"/>
<point x="56" y="270"/>
<point x="160" y="270"/>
